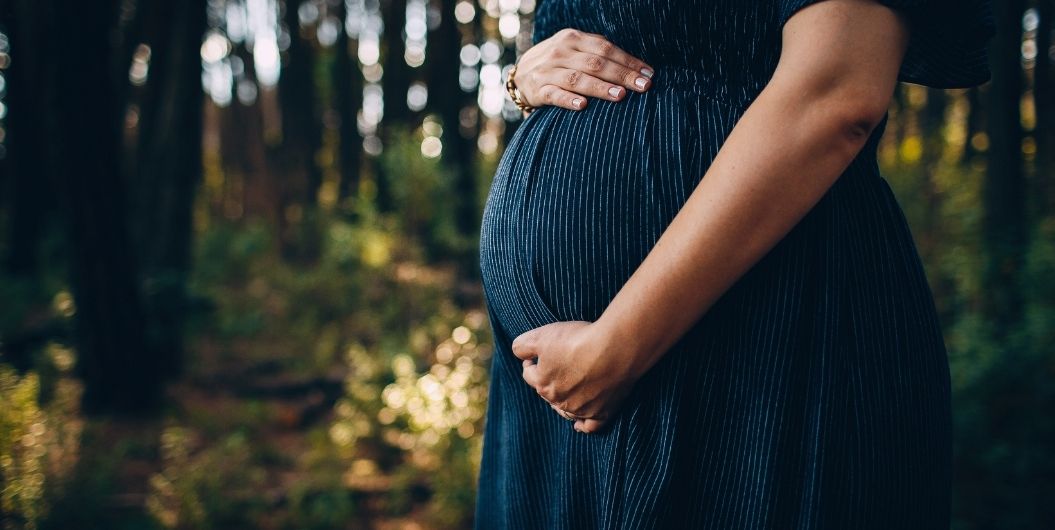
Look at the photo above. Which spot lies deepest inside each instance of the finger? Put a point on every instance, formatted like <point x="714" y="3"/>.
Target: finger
<point x="557" y="96"/>
<point x="523" y="346"/>
<point x="589" y="425"/>
<point x="600" y="45"/>
<point x="605" y="69"/>
<point x="582" y="83"/>
<point x="531" y="376"/>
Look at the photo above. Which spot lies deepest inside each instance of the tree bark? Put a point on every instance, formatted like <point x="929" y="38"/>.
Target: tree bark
<point x="448" y="100"/>
<point x="28" y="169"/>
<point x="120" y="374"/>
<point x="169" y="167"/>
<point x="1003" y="195"/>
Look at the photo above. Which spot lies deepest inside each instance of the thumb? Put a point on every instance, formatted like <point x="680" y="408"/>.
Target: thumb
<point x="589" y="425"/>
<point x="524" y="346"/>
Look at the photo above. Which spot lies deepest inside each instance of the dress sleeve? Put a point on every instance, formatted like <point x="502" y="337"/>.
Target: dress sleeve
<point x="551" y="16"/>
<point x="948" y="46"/>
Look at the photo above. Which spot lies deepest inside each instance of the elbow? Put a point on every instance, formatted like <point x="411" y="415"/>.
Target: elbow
<point x="860" y="112"/>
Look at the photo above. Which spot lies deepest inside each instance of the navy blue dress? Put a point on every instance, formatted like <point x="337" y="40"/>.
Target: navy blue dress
<point x="813" y="394"/>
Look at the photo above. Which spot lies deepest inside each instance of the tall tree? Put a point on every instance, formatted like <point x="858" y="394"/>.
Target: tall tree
<point x="1044" y="98"/>
<point x="29" y="170"/>
<point x="395" y="82"/>
<point x="348" y="98"/>
<point x="448" y="99"/>
<point x="1004" y="204"/>
<point x="118" y="370"/>
<point x="301" y="126"/>
<point x="169" y="168"/>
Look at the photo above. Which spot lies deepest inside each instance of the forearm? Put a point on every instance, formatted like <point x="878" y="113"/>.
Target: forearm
<point x="784" y="153"/>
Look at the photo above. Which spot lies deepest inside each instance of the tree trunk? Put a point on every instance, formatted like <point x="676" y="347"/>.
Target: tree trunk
<point x="28" y="169"/>
<point x="395" y="82"/>
<point x="1003" y="195"/>
<point x="301" y="126"/>
<point x="1044" y="98"/>
<point x="120" y="374"/>
<point x="348" y="98"/>
<point x="169" y="168"/>
<point x="448" y="100"/>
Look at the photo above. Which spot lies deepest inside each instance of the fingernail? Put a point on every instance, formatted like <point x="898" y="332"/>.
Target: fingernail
<point x="647" y="72"/>
<point x="577" y="102"/>
<point x="614" y="91"/>
<point x="641" y="82"/>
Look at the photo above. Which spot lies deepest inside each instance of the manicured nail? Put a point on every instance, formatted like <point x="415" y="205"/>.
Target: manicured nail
<point x="641" y="82"/>
<point x="614" y="91"/>
<point x="577" y="102"/>
<point x="648" y="73"/>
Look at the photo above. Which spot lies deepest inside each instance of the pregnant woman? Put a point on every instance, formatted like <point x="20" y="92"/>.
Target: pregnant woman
<point x="707" y="306"/>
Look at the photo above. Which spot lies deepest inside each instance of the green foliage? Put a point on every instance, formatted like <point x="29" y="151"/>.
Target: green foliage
<point x="423" y="195"/>
<point x="218" y="486"/>
<point x="38" y="442"/>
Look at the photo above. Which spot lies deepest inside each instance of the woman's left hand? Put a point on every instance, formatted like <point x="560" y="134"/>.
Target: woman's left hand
<point x="575" y="366"/>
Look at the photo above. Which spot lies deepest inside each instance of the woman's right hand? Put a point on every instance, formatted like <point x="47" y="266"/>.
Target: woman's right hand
<point x="571" y="64"/>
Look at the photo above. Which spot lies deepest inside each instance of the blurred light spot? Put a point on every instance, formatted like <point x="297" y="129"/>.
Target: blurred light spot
<point x="132" y="117"/>
<point x="487" y="142"/>
<point x="468" y="78"/>
<point x="1029" y="146"/>
<point x="431" y="147"/>
<point x="266" y="59"/>
<point x="432" y="126"/>
<point x="912" y="149"/>
<point x="328" y="30"/>
<point x="5" y="60"/>
<point x="417" y="96"/>
<point x="307" y="13"/>
<point x="372" y="73"/>
<point x="1029" y="49"/>
<point x="137" y="72"/>
<point x="63" y="303"/>
<point x="236" y="21"/>
<point x="247" y="92"/>
<point x="373" y="108"/>
<point x="461" y="334"/>
<point x="490" y="51"/>
<point x="509" y="25"/>
<point x="215" y="48"/>
<point x="372" y="145"/>
<point x="980" y="141"/>
<point x="470" y="55"/>
<point x="464" y="12"/>
<point x="414" y="55"/>
<point x="369" y="49"/>
<point x="1030" y="20"/>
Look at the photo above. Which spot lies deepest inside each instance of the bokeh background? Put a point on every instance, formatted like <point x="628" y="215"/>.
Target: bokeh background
<point x="238" y="260"/>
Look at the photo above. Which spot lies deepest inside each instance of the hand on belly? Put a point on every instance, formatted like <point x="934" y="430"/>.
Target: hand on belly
<point x="572" y="366"/>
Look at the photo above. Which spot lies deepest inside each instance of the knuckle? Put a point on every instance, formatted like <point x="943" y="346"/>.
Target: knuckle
<point x="573" y="78"/>
<point x="571" y="33"/>
<point x="607" y="47"/>
<point x="593" y="63"/>
<point x="548" y="94"/>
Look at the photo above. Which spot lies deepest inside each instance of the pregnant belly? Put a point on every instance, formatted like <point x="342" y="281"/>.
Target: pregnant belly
<point x="580" y="197"/>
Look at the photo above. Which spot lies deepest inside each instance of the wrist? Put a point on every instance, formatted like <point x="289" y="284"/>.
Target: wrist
<point x="625" y="345"/>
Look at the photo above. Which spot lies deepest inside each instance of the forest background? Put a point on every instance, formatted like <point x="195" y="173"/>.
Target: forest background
<point x="239" y="284"/>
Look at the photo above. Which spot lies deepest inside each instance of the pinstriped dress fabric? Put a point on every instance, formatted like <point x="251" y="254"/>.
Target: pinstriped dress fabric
<point x="813" y="394"/>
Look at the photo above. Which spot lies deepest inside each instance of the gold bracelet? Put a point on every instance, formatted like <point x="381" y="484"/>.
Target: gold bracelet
<point x="514" y="92"/>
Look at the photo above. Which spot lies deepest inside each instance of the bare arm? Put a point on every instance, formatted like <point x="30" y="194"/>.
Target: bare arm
<point x="833" y="84"/>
